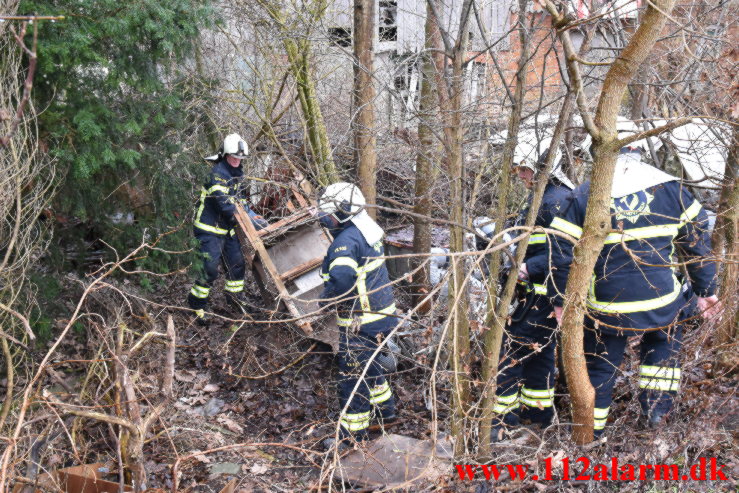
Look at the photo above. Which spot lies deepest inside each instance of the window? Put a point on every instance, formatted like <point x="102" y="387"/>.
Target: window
<point x="388" y="21"/>
<point x="405" y="82"/>
<point x="476" y="80"/>
<point x="340" y="36"/>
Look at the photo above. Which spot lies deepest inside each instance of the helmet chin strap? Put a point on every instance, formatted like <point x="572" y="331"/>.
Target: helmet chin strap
<point x="329" y="221"/>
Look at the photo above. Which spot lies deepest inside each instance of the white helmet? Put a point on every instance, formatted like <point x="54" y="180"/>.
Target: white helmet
<point x="234" y="145"/>
<point x="528" y="156"/>
<point x="342" y="197"/>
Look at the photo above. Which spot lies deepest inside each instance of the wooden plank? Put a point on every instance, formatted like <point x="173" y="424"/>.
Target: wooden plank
<point x="283" y="222"/>
<point x="299" y="197"/>
<point x="301" y="269"/>
<point x="272" y="281"/>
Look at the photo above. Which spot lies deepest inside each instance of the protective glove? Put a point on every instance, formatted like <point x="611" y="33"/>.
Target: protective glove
<point x="709" y="307"/>
<point x="258" y="221"/>
<point x="523" y="273"/>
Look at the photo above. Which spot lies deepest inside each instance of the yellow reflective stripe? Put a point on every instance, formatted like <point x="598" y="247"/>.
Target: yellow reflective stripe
<point x="217" y="188"/>
<point x="384" y="394"/>
<point x="200" y="313"/>
<point x="600" y="415"/>
<point x="601" y="412"/>
<point x="537" y="288"/>
<point x="507" y="399"/>
<point x="381" y="398"/>
<point x="325" y="276"/>
<point x="374" y="317"/>
<point x="546" y="393"/>
<point x="634" y="306"/>
<point x="665" y="372"/>
<point x="537" y="238"/>
<point x="200" y="292"/>
<point x="659" y="384"/>
<point x="536" y="402"/>
<point x="505" y="403"/>
<point x="352" y="417"/>
<point x="232" y="232"/>
<point x="347" y="261"/>
<point x="212" y="229"/>
<point x="201" y="207"/>
<point x="503" y="409"/>
<point x="379" y="389"/>
<point x="355" y="426"/>
<point x="355" y="421"/>
<point x="690" y="213"/>
<point x="234" y="286"/>
<point x="362" y="292"/>
<point x="643" y="233"/>
<point x="567" y="227"/>
<point x="373" y="265"/>
<point x="366" y="318"/>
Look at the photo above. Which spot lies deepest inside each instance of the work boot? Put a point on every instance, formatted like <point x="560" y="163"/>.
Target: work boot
<point x="656" y="419"/>
<point x="346" y="440"/>
<point x="386" y="412"/>
<point x="386" y="418"/>
<point x="238" y="303"/>
<point x="503" y="428"/>
<point x="202" y="318"/>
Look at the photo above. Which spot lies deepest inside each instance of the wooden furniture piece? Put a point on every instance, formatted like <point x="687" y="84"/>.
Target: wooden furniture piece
<point x="286" y="258"/>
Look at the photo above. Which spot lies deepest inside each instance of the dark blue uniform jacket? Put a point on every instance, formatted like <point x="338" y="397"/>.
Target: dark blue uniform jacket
<point x="221" y="193"/>
<point x="352" y="272"/>
<point x="537" y="254"/>
<point x="635" y="283"/>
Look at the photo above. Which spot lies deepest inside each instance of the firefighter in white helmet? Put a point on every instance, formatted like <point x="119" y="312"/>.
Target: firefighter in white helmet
<point x="223" y="191"/>
<point x="525" y="384"/>
<point x="356" y="281"/>
<point x="635" y="288"/>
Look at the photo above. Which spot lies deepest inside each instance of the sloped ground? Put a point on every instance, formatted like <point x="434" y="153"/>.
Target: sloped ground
<point x="267" y="385"/>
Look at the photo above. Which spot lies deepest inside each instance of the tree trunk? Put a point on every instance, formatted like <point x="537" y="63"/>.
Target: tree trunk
<point x="597" y="217"/>
<point x="458" y="299"/>
<point x="364" y="97"/>
<point x="426" y="157"/>
<point x="298" y="56"/>
<point x="450" y="101"/>
<point x="494" y="336"/>
<point x="726" y="245"/>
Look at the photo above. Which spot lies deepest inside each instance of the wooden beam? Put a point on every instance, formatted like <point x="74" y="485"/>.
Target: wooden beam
<point x="301" y="269"/>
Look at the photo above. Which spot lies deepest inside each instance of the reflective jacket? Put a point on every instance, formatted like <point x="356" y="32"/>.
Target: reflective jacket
<point x="221" y="193"/>
<point x="352" y="272"/>
<point x="634" y="284"/>
<point x="537" y="253"/>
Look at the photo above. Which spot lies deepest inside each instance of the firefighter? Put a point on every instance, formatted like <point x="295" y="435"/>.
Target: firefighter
<point x="635" y="288"/>
<point x="214" y="224"/>
<point x="356" y="281"/>
<point x="525" y="382"/>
